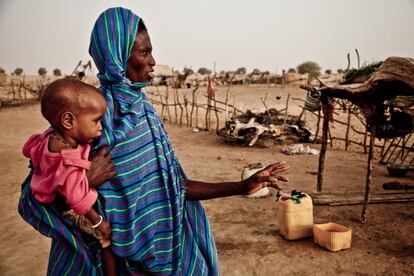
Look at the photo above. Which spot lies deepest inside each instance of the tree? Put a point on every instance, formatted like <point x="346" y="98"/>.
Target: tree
<point x="328" y="71"/>
<point x="188" y="71"/>
<point x="339" y="71"/>
<point x="204" y="71"/>
<point x="310" y="67"/>
<point x="2" y="71"/>
<point x="57" y="72"/>
<point x="42" y="71"/>
<point x="241" y="71"/>
<point x="256" y="72"/>
<point x="292" y="70"/>
<point x="18" y="71"/>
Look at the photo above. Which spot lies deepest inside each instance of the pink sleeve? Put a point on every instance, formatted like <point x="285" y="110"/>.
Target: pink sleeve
<point x="77" y="192"/>
<point x="31" y="142"/>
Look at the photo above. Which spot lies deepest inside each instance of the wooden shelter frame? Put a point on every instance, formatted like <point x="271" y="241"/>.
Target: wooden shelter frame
<point x="394" y="78"/>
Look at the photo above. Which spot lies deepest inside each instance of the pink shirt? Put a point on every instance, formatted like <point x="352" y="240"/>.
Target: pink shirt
<point x="63" y="173"/>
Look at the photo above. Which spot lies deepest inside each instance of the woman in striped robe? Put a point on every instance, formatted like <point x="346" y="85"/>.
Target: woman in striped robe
<point x="158" y="224"/>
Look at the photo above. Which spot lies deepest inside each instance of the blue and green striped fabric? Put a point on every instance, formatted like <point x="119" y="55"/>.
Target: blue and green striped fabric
<point x="154" y="229"/>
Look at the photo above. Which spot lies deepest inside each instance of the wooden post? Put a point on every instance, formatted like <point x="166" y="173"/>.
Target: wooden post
<point x="192" y="107"/>
<point x="349" y="63"/>
<point x="348" y="125"/>
<point x="24" y="87"/>
<point x="368" y="179"/>
<point x="162" y="104"/>
<point x="181" y="109"/>
<point x="227" y="105"/>
<point x="317" y="126"/>
<point x="196" y="117"/>
<point x="234" y="107"/>
<point x="175" y="107"/>
<point x="207" y="117"/>
<point x="357" y="53"/>
<point x="175" y="102"/>
<point x="217" y="116"/>
<point x="267" y="109"/>
<point x="365" y="139"/>
<point x="167" y="93"/>
<point x="187" y="121"/>
<point x="325" y="130"/>
<point x="286" y="109"/>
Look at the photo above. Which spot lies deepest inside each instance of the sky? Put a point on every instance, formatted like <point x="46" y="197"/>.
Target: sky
<point x="228" y="34"/>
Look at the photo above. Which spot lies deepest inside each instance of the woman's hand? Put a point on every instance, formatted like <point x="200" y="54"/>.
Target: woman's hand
<point x="102" y="168"/>
<point x="268" y="177"/>
<point x="104" y="229"/>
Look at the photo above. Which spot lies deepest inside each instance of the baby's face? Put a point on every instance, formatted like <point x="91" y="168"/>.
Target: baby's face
<point x="89" y="125"/>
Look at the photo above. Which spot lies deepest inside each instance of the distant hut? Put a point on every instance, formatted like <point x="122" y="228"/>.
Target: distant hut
<point x="296" y="78"/>
<point x="195" y="79"/>
<point x="3" y="78"/>
<point x="163" y="75"/>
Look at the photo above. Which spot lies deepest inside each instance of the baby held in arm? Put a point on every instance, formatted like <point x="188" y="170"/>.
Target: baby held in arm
<point x="60" y="158"/>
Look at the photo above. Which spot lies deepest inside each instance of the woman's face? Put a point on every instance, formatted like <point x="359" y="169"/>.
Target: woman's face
<point x="141" y="62"/>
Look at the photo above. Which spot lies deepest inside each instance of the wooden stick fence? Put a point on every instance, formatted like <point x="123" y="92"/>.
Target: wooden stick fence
<point x="185" y="108"/>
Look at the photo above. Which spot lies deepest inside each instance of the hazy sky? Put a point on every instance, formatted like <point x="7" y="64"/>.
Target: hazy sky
<point x="265" y="34"/>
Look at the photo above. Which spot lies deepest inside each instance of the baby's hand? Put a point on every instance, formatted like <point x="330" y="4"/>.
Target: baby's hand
<point x="105" y="230"/>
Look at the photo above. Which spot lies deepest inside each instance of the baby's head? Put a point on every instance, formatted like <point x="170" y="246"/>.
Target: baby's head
<point x="74" y="109"/>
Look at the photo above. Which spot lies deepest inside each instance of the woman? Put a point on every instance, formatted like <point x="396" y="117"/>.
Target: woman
<point x="158" y="224"/>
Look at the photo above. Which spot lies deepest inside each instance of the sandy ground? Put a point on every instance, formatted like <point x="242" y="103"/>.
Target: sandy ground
<point x="246" y="230"/>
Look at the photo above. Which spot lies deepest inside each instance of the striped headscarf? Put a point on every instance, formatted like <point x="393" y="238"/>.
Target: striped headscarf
<point x="154" y="229"/>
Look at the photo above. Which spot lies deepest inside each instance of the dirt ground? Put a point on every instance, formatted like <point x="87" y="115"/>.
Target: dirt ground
<point x="246" y="230"/>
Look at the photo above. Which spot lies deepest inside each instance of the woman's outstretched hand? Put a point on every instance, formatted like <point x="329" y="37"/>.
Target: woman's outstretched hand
<point x="268" y="177"/>
<point x="102" y="168"/>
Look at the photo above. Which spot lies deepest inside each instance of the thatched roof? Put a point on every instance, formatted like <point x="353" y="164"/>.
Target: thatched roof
<point x="161" y="70"/>
<point x="392" y="84"/>
<point x="395" y="77"/>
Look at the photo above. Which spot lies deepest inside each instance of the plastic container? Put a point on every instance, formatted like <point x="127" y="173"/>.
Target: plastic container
<point x="295" y="219"/>
<point x="332" y="236"/>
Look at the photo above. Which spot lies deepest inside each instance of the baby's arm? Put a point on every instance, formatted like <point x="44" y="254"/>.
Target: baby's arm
<point x="80" y="197"/>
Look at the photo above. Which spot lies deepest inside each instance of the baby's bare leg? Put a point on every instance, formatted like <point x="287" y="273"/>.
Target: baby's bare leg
<point x="109" y="262"/>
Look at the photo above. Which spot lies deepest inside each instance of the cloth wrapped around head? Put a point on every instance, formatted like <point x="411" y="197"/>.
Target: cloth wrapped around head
<point x="112" y="39"/>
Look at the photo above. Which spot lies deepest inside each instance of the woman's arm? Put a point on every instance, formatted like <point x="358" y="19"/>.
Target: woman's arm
<point x="268" y="177"/>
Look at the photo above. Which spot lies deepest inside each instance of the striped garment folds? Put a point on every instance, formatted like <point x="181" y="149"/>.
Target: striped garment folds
<point x="153" y="228"/>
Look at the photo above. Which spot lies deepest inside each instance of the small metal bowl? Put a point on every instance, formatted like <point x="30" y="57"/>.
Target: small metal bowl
<point x="397" y="170"/>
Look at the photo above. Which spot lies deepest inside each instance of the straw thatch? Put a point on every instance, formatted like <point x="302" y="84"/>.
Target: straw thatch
<point x="394" y="78"/>
<point x="161" y="70"/>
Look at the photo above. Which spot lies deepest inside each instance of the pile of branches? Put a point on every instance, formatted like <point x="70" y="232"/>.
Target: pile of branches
<point x="265" y="129"/>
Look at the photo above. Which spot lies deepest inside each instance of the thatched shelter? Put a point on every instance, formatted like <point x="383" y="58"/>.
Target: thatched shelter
<point x="385" y="99"/>
<point x="163" y="75"/>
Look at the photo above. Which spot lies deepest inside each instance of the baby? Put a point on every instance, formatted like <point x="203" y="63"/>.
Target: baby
<point x="60" y="156"/>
